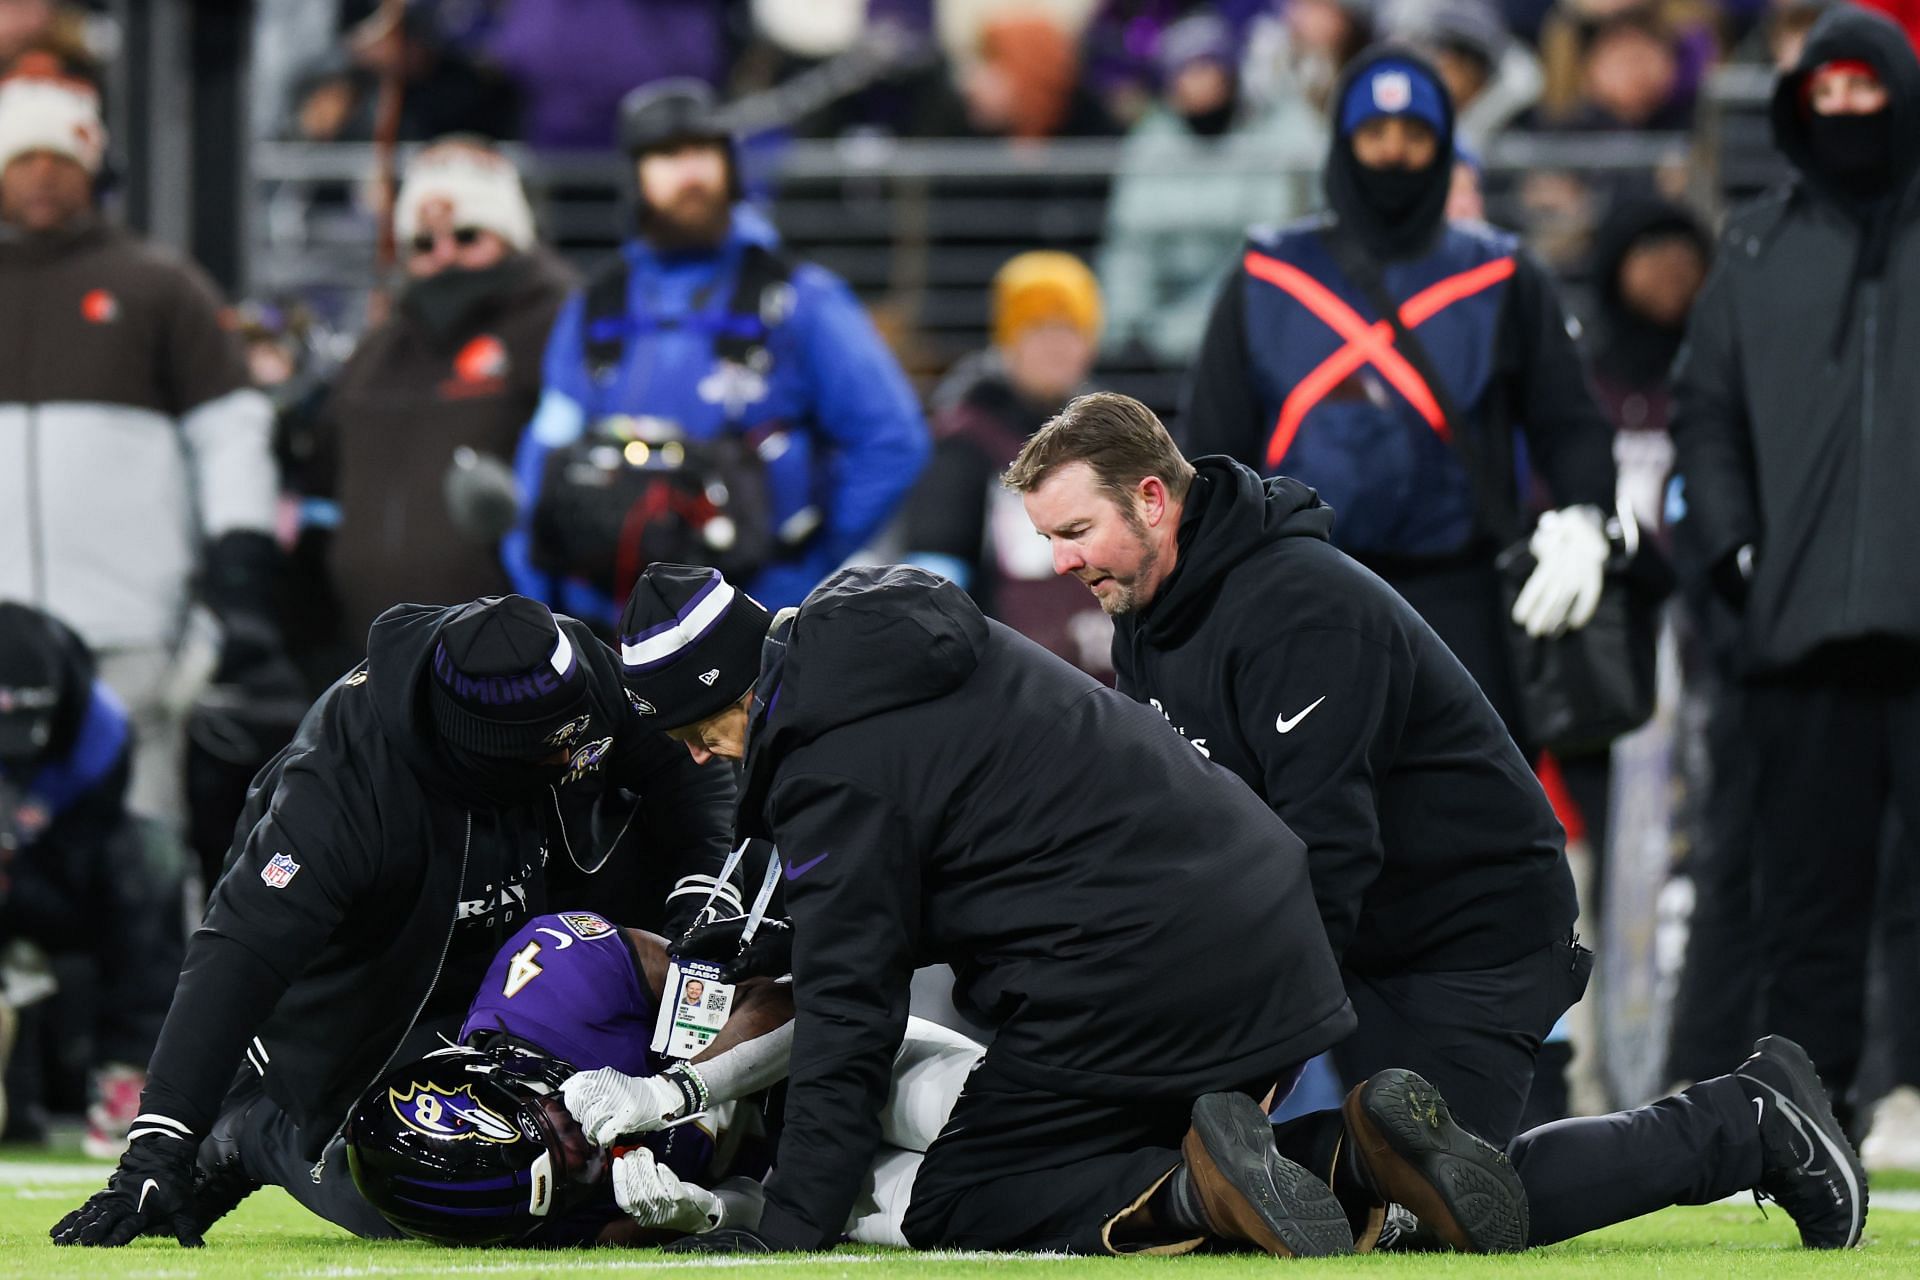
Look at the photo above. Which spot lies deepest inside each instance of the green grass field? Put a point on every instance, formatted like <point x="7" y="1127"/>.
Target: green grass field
<point x="270" y="1236"/>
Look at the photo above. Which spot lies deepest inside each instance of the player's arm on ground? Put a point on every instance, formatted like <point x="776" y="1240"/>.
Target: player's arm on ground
<point x="853" y="889"/>
<point x="1320" y="709"/>
<point x="298" y="874"/>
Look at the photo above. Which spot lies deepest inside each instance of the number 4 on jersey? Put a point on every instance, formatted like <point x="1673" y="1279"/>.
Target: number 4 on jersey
<point x="521" y="970"/>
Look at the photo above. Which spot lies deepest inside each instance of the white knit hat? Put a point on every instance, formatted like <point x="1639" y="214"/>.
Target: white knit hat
<point x="61" y="116"/>
<point x="481" y="184"/>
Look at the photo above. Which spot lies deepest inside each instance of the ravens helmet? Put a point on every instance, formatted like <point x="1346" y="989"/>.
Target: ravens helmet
<point x="469" y="1147"/>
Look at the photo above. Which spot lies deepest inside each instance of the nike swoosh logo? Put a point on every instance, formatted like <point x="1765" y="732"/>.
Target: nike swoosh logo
<point x="146" y="1189"/>
<point x="1285" y="725"/>
<point x="794" y="873"/>
<point x="1759" y="1110"/>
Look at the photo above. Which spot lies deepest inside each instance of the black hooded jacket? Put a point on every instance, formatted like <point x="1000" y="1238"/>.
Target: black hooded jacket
<point x="944" y="790"/>
<point x="1430" y="842"/>
<point x="1794" y="421"/>
<point x="371" y="883"/>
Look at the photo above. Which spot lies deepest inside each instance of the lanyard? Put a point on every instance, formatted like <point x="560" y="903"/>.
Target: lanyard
<point x="761" y="900"/>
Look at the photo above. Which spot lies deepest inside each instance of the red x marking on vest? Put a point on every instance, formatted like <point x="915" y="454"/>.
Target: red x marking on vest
<point x="1366" y="343"/>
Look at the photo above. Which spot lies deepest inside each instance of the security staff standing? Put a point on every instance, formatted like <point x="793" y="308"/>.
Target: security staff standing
<point x="1797" y="430"/>
<point x="382" y="859"/>
<point x="1436" y="860"/>
<point x="1135" y="925"/>
<point x="1406" y="425"/>
<point x="703" y="334"/>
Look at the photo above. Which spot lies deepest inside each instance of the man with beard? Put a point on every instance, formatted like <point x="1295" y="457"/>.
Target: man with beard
<point x="1134" y="924"/>
<point x="456" y="366"/>
<point x="1386" y="357"/>
<point x="1435" y="858"/>
<point x="382" y="858"/>
<point x="703" y="341"/>
<point x="1797" y="441"/>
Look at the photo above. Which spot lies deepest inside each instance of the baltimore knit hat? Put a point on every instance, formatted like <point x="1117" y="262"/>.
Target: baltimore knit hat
<point x="506" y="679"/>
<point x="689" y="643"/>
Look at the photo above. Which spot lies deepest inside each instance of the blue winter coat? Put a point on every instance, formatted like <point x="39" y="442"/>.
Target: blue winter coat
<point x="861" y="439"/>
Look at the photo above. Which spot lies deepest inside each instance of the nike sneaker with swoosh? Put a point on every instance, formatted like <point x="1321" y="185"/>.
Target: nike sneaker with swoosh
<point x="1807" y="1166"/>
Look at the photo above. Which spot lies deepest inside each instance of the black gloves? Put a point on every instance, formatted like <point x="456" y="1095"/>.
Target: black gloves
<point x="724" y="1240"/>
<point x="151" y="1191"/>
<point x="768" y="955"/>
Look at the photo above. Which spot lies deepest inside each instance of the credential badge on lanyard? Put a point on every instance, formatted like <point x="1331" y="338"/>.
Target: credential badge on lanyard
<point x="694" y="1002"/>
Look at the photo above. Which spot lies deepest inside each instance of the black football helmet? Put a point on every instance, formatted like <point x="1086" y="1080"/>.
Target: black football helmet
<point x="469" y="1147"/>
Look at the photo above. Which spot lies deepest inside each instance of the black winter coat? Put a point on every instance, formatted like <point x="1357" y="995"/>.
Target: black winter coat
<point x="1797" y="393"/>
<point x="944" y="790"/>
<point x="360" y="852"/>
<point x="1430" y="842"/>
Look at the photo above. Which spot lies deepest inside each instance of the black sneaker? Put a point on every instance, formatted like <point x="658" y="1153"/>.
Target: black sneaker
<point x="1409" y="1151"/>
<point x="1807" y="1166"/>
<point x="1250" y="1193"/>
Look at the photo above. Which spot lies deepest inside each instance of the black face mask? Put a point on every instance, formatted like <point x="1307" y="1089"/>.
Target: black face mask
<point x="1211" y="124"/>
<point x="1855" y="152"/>
<point x="441" y="304"/>
<point x="500" y="779"/>
<point x="1393" y="193"/>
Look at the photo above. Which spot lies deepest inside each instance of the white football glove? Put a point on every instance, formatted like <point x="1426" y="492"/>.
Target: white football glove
<point x="608" y="1103"/>
<point x="653" y="1196"/>
<point x="1570" y="550"/>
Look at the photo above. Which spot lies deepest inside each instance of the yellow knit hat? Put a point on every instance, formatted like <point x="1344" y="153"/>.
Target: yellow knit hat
<point x="1042" y="286"/>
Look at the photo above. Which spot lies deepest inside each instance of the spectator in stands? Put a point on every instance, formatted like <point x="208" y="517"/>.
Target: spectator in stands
<point x="574" y="59"/>
<point x="456" y="366"/>
<point x="1797" y="441"/>
<point x="135" y="460"/>
<point x="78" y="874"/>
<point x="1630" y="74"/>
<point x="1421" y="472"/>
<point x="1124" y="46"/>
<point x="336" y="99"/>
<point x="28" y="26"/>
<point x="1196" y="171"/>
<point x="961" y="523"/>
<point x="1015" y="75"/>
<point x="760" y="379"/>
<point x="1491" y="76"/>
<point x="1297" y="53"/>
<point x="1466" y="194"/>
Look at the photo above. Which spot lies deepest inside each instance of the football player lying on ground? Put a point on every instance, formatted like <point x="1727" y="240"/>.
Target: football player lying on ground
<point x="381" y="857"/>
<point x="945" y="790"/>
<point x="474" y="1144"/>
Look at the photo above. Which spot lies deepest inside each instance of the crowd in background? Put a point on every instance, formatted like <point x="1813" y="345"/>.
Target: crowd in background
<point x="391" y="459"/>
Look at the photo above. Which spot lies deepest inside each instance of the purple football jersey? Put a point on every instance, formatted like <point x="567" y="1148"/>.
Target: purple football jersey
<point x="570" y="983"/>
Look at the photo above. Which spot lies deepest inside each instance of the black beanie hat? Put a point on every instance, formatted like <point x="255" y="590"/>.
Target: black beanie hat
<point x="33" y="682"/>
<point x="689" y="643"/>
<point x="506" y="679"/>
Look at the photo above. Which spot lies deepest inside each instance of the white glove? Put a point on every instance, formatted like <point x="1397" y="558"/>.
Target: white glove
<point x="650" y="1193"/>
<point x="609" y="1103"/>
<point x="1569" y="549"/>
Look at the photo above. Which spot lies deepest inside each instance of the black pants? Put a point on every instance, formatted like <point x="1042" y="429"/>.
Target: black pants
<point x="1831" y="755"/>
<point x="1474" y="1036"/>
<point x="1021" y="1168"/>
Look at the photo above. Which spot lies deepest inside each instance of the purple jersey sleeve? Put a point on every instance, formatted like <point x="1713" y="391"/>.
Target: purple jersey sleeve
<point x="570" y="984"/>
